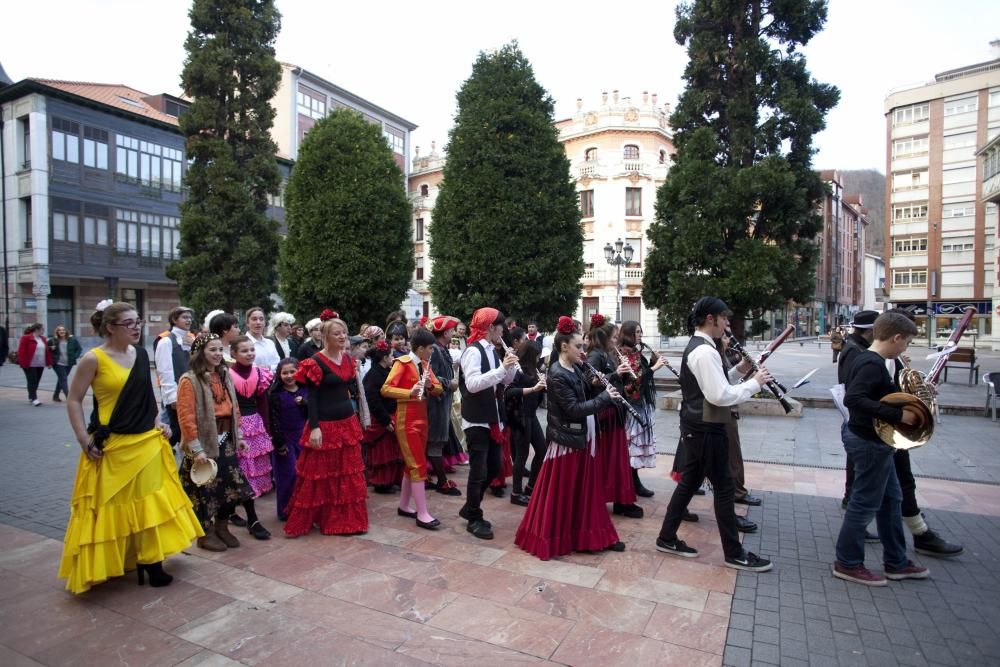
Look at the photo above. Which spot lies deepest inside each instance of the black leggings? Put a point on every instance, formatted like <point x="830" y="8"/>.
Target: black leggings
<point x="33" y="374"/>
<point x="520" y="439"/>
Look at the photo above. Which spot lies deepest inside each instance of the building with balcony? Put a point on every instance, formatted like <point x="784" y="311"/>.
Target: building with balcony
<point x="425" y="181"/>
<point x="990" y="167"/>
<point x="304" y="97"/>
<point x="92" y="185"/>
<point x="940" y="227"/>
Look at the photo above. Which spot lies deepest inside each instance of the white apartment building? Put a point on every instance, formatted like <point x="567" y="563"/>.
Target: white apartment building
<point x="941" y="233"/>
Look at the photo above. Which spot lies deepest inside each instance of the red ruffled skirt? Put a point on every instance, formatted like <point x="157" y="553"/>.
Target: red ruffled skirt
<point x="612" y="452"/>
<point x="506" y="460"/>
<point x="330" y="487"/>
<point x="567" y="511"/>
<point x="383" y="458"/>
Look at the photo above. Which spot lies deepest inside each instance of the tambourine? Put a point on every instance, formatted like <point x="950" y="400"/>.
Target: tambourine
<point x="203" y="472"/>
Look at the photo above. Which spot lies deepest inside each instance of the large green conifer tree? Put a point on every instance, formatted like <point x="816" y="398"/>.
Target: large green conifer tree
<point x="349" y="244"/>
<point x="737" y="215"/>
<point x="228" y="244"/>
<point x="506" y="225"/>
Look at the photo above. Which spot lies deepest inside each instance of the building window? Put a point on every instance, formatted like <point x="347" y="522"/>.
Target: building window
<point x="909" y="180"/>
<point x="424" y="190"/>
<point x="95" y="231"/>
<point x="24" y="145"/>
<point x="910" y="146"/>
<point x="962" y="175"/>
<point x="958" y="244"/>
<point x="65" y="227"/>
<point x="127" y="232"/>
<point x="127" y="158"/>
<point x="95" y="148"/>
<point x="631" y="152"/>
<point x="960" y="210"/>
<point x="65" y="141"/>
<point x="278" y="200"/>
<point x="150" y="164"/>
<point x="909" y="246"/>
<point x="913" y="114"/>
<point x="25" y="207"/>
<point x="395" y="138"/>
<point x="311" y="103"/>
<point x="963" y="140"/>
<point x="418" y="229"/>
<point x="663" y="157"/>
<point x="964" y="105"/>
<point x="631" y="308"/>
<point x="909" y="278"/>
<point x="633" y="201"/>
<point x="590" y="155"/>
<point x="420" y="268"/>
<point x="909" y="212"/>
<point x="587" y="203"/>
<point x="995" y="98"/>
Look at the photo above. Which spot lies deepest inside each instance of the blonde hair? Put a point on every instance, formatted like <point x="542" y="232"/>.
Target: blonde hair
<point x="327" y="326"/>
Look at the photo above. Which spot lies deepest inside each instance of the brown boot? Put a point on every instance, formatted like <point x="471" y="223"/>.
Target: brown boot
<point x="211" y="542"/>
<point x="222" y="532"/>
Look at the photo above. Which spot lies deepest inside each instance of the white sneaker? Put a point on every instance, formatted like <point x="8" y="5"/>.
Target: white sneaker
<point x="36" y="402"/>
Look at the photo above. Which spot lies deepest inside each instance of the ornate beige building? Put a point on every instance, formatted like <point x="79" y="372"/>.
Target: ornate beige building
<point x="619" y="152"/>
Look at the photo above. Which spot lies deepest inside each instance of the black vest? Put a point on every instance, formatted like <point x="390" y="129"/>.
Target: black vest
<point x="178" y="357"/>
<point x="697" y="414"/>
<point x="482" y="407"/>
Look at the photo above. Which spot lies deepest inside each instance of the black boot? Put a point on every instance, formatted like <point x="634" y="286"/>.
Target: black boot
<point x="157" y="577"/>
<point x="640" y="490"/>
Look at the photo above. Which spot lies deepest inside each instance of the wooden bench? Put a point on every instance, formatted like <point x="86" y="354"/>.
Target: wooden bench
<point x="965" y="359"/>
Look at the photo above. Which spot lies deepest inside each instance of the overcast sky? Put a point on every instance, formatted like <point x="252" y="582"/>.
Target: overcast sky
<point x="411" y="58"/>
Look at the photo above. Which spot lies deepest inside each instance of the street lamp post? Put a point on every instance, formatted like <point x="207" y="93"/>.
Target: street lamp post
<point x="618" y="255"/>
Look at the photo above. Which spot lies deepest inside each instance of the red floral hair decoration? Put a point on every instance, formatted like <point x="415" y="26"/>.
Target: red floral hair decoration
<point x="566" y="325"/>
<point x="328" y="314"/>
<point x="423" y="321"/>
<point x="382" y="346"/>
<point x="597" y="320"/>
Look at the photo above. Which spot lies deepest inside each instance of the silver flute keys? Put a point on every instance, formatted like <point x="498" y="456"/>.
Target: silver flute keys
<point x="506" y="350"/>
<point x="423" y="380"/>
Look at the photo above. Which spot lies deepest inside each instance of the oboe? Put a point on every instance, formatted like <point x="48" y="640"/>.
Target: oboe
<point x="773" y="386"/>
<point x="423" y="380"/>
<point x="607" y="385"/>
<point x="622" y="356"/>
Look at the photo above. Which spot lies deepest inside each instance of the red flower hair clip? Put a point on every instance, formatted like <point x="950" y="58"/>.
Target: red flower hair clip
<point x="566" y="325"/>
<point x="423" y="321"/>
<point x="328" y="314"/>
<point x="597" y="320"/>
<point x="382" y="346"/>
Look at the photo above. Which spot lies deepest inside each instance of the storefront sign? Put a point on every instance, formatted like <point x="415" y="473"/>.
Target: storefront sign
<point x="959" y="307"/>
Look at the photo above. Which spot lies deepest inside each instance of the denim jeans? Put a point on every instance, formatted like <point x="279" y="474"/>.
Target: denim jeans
<point x="62" y="385"/>
<point x="875" y="493"/>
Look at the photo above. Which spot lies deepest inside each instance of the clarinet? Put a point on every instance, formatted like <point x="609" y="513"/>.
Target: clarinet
<point x="423" y="380"/>
<point x="506" y="349"/>
<point x="773" y="386"/>
<point x="607" y="385"/>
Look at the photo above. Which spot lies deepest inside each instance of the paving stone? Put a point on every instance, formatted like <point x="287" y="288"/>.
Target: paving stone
<point x="765" y="634"/>
<point x="766" y="653"/>
<point x="736" y="656"/>
<point x="741" y="638"/>
<point x="741" y="622"/>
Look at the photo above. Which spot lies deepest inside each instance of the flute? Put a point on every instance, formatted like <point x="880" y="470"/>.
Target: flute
<point x="507" y="350"/>
<point x="423" y="380"/>
<point x="773" y="386"/>
<point x="607" y="385"/>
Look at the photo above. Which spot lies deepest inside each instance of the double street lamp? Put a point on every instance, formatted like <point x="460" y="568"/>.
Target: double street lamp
<point x="618" y="255"/>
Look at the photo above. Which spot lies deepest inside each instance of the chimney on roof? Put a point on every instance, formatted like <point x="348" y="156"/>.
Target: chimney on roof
<point x="995" y="48"/>
<point x="433" y="147"/>
<point x="654" y="99"/>
<point x="416" y="152"/>
<point x="645" y="97"/>
<point x="579" y="103"/>
<point x="604" y="97"/>
<point x="615" y="94"/>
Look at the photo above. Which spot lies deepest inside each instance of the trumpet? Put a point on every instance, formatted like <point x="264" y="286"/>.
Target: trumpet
<point x="773" y="386"/>
<point x="607" y="385"/>
<point x="423" y="380"/>
<point x="507" y="350"/>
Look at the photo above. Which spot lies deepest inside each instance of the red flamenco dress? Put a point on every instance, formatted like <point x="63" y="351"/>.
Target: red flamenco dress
<point x="383" y="457"/>
<point x="330" y="480"/>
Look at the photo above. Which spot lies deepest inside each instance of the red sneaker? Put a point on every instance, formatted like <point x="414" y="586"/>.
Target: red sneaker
<point x="858" y="574"/>
<point x="908" y="571"/>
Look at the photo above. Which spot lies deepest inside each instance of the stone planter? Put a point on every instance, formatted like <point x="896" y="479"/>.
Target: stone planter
<point x="755" y="406"/>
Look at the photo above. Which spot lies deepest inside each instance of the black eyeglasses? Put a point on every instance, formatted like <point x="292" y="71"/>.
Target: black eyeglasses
<point x="129" y="324"/>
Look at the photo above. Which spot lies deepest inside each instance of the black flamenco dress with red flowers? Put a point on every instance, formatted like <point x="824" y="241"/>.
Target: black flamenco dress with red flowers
<point x="330" y="480"/>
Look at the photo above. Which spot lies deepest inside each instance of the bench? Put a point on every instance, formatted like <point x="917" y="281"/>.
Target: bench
<point x="965" y="359"/>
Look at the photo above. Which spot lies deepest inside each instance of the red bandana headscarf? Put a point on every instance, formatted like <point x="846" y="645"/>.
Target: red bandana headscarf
<point x="480" y="325"/>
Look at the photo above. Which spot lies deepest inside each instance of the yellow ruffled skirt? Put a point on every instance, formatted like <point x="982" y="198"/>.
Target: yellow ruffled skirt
<point x="127" y="508"/>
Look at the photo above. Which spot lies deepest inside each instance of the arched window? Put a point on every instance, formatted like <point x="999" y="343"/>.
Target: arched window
<point x="424" y="190"/>
<point x="590" y="155"/>
<point x="663" y="157"/>
<point x="631" y="152"/>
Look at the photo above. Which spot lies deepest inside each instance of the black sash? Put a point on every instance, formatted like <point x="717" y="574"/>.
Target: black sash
<point x="135" y="411"/>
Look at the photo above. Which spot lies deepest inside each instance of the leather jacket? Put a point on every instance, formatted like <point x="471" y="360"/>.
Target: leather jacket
<point x="569" y="406"/>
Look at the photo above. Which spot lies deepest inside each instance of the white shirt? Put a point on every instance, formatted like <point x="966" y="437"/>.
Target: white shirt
<point x="476" y="380"/>
<point x="163" y="357"/>
<point x="267" y="353"/>
<point x="706" y="364"/>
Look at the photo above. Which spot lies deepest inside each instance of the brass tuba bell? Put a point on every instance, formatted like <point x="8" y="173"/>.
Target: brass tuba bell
<point x="918" y="398"/>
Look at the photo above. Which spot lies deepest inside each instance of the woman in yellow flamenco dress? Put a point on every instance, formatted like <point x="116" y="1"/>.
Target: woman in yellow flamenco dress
<point x="128" y="509"/>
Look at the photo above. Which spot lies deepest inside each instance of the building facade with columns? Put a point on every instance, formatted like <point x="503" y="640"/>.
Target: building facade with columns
<point x="941" y="228"/>
<point x="619" y="151"/>
<point x="990" y="167"/>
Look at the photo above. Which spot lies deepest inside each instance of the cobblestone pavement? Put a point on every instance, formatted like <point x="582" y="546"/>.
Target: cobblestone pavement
<point x="804" y="616"/>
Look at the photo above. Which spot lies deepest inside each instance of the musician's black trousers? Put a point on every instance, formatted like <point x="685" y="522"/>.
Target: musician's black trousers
<point x="484" y="465"/>
<point x="907" y="483"/>
<point x="520" y="440"/>
<point x="705" y="455"/>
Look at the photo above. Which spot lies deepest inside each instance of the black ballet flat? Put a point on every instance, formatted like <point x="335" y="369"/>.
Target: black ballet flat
<point x="259" y="531"/>
<point x="618" y="546"/>
<point x="433" y="524"/>
<point x="409" y="515"/>
<point x="157" y="577"/>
